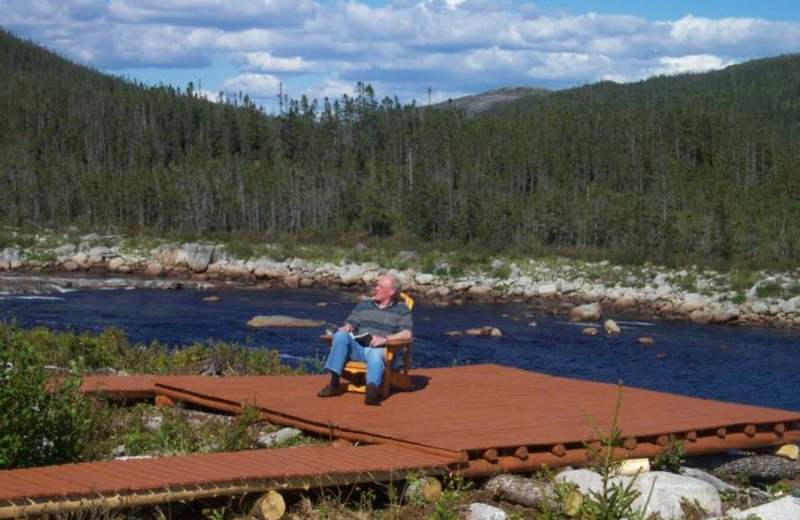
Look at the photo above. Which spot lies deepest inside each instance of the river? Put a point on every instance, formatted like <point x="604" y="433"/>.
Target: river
<point x="744" y="365"/>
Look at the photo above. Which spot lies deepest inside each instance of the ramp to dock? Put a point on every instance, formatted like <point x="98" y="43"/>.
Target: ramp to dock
<point x="109" y="484"/>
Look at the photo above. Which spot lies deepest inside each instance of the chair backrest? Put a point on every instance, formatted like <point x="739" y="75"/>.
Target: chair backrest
<point x="408" y="300"/>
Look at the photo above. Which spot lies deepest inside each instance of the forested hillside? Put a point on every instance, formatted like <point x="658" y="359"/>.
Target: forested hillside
<point x="700" y="167"/>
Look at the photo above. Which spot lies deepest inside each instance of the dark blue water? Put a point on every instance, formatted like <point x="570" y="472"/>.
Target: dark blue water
<point x="744" y="365"/>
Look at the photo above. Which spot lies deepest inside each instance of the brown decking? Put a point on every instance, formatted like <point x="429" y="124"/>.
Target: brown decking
<point x="476" y="420"/>
<point x="136" y="482"/>
<point x="472" y="410"/>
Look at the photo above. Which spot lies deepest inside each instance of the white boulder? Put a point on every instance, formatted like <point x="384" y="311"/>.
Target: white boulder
<point x="787" y="508"/>
<point x="350" y="274"/>
<point x="588" y="312"/>
<point x="424" y="278"/>
<point x="478" y="511"/>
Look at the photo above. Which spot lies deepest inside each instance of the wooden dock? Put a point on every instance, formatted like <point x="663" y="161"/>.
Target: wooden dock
<point x="475" y="420"/>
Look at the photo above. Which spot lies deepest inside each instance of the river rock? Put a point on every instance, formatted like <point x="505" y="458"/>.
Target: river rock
<point x="278" y="321"/>
<point x="114" y="264"/>
<point x="236" y="270"/>
<point x="719" y="484"/>
<point x="298" y="264"/>
<point x="99" y="251"/>
<point x="586" y="480"/>
<point x="670" y="490"/>
<point x="788" y="306"/>
<point x="590" y="331"/>
<point x="725" y="315"/>
<point x="154" y="269"/>
<point x="761" y="467"/>
<point x="480" y="290"/>
<point x="485" y="332"/>
<point x="547" y="289"/>
<point x="588" y="312"/>
<point x="646" y="340"/>
<point x="692" y="302"/>
<point x="478" y="511"/>
<point x="625" y="302"/>
<point x="611" y="327"/>
<point x="81" y="260"/>
<point x="198" y="256"/>
<point x="281" y="436"/>
<point x="701" y="316"/>
<point x="350" y="274"/>
<point x="424" y="279"/>
<point x="663" y="291"/>
<point x="787" y="508"/>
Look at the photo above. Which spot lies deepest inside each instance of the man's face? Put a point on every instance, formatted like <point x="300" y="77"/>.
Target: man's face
<point x="384" y="290"/>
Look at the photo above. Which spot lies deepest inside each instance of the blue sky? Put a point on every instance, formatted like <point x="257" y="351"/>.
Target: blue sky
<point x="321" y="48"/>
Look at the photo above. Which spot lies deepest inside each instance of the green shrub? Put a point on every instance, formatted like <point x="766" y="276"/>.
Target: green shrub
<point x="44" y="420"/>
<point x="769" y="289"/>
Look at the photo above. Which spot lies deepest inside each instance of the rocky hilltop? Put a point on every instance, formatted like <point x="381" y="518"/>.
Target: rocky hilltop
<point x="584" y="289"/>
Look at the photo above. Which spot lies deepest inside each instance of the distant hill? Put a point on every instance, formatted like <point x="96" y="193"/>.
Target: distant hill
<point x="478" y="103"/>
<point x="688" y="168"/>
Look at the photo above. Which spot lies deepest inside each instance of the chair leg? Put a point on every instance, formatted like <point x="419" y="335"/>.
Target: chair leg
<point x="387" y="381"/>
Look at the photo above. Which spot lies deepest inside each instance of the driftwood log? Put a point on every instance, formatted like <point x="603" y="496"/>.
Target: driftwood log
<point x="425" y="489"/>
<point x="530" y="493"/>
<point x="270" y="506"/>
<point x="520" y="490"/>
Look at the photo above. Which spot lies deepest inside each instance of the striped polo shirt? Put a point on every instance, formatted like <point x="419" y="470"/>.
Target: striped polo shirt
<point x="368" y="317"/>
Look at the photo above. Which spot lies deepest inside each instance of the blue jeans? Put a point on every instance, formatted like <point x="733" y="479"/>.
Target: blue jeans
<point x="344" y="348"/>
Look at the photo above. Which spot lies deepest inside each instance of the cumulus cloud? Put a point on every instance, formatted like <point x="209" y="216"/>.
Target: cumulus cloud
<point x="696" y="63"/>
<point x="402" y="47"/>
<point x="266" y="62"/>
<point x="213" y="13"/>
<point x="259" y="86"/>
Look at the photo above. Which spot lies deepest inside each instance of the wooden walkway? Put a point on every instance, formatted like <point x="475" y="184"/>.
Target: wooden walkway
<point x="30" y="492"/>
<point x="475" y="420"/>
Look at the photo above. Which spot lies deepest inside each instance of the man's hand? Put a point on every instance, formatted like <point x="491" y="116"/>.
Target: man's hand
<point x="377" y="341"/>
<point x="346" y="328"/>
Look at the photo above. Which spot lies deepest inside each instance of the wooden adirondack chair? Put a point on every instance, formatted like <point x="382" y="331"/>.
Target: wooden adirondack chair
<point x="355" y="372"/>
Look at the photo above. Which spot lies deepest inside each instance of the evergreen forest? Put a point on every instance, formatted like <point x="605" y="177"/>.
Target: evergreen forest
<point x="687" y="168"/>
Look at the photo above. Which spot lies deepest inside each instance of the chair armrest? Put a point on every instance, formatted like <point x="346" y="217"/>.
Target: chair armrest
<point x="393" y="344"/>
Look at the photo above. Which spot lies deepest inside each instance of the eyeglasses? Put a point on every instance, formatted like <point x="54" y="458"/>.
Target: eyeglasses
<point x="379" y="286"/>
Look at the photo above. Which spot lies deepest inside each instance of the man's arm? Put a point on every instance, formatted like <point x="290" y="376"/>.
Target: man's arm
<point x="404" y="323"/>
<point x="379" y="341"/>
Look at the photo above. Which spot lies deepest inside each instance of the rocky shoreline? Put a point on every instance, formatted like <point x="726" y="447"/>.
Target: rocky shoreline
<point x="560" y="286"/>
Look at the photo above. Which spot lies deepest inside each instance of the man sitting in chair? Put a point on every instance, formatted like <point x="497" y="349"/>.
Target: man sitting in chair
<point x="385" y="318"/>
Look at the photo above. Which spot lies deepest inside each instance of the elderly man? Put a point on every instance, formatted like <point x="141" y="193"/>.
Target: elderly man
<point x="384" y="318"/>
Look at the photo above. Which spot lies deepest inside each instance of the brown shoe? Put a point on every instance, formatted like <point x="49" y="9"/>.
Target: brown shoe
<point x="331" y="391"/>
<point x="373" y="395"/>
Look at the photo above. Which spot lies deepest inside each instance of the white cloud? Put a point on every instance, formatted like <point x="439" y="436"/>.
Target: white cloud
<point x="213" y="13"/>
<point x="405" y="46"/>
<point x="266" y="62"/>
<point x="261" y="86"/>
<point x="696" y="63"/>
